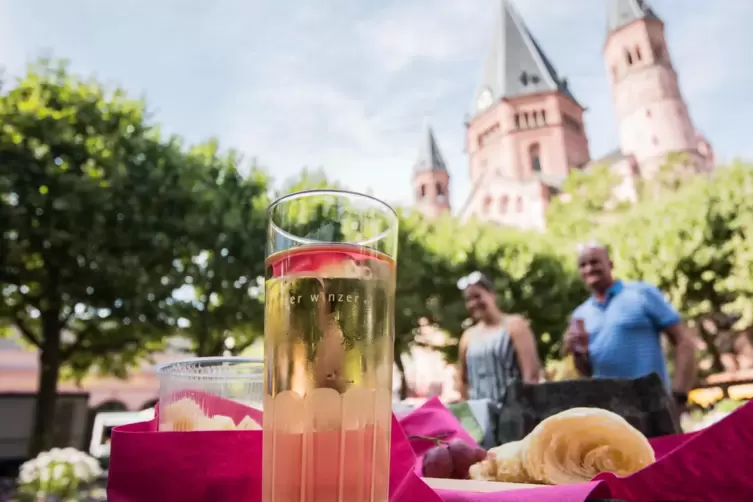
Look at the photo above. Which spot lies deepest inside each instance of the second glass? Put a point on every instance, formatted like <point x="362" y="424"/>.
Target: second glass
<point x="328" y="348"/>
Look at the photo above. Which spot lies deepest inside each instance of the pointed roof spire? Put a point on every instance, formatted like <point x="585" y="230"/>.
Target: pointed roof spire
<point x="516" y="64"/>
<point x="623" y="12"/>
<point x="429" y="156"/>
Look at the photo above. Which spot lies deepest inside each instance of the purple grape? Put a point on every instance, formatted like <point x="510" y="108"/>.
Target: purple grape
<point x="463" y="457"/>
<point x="437" y="463"/>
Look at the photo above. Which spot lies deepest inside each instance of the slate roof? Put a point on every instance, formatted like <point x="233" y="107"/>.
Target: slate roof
<point x="429" y="156"/>
<point x="516" y="64"/>
<point x="621" y="13"/>
<point x="610" y="159"/>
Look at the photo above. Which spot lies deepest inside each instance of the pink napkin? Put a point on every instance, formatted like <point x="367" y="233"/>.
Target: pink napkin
<point x="569" y="493"/>
<point x="712" y="465"/>
<point x="663" y="445"/>
<point x="219" y="466"/>
<point x="433" y="419"/>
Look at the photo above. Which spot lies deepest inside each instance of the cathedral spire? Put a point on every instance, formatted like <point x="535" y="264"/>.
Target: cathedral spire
<point x="516" y="64"/>
<point x="621" y="13"/>
<point x="431" y="180"/>
<point x="429" y="156"/>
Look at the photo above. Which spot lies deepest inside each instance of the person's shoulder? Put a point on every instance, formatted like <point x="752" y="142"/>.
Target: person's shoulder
<point x="582" y="308"/>
<point x="467" y="334"/>
<point x="517" y="323"/>
<point x="641" y="287"/>
<point x="637" y="285"/>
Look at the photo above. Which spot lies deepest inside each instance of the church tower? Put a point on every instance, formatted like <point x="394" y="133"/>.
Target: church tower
<point x="525" y="129"/>
<point x="652" y="116"/>
<point x="431" y="181"/>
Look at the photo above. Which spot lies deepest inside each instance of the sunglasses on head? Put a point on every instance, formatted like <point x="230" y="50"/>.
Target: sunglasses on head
<point x="472" y="279"/>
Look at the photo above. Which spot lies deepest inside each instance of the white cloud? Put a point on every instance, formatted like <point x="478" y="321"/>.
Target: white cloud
<point x="361" y="120"/>
<point x="346" y="85"/>
<point x="712" y="45"/>
<point x="409" y="31"/>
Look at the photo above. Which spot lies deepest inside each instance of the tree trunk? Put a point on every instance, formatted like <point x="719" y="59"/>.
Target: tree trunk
<point x="403" y="381"/>
<point x="206" y="347"/>
<point x="46" y="399"/>
<point x="713" y="350"/>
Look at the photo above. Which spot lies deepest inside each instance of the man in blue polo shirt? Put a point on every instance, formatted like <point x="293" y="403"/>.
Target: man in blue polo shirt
<point x="616" y="333"/>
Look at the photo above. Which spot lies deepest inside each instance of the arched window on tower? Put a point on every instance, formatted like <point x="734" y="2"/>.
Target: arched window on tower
<point x="534" y="155"/>
<point x="629" y="57"/>
<point x="535" y="118"/>
<point x="441" y="192"/>
<point x="422" y="191"/>
<point x="487" y="204"/>
<point x="660" y="54"/>
<point x="526" y="123"/>
<point x="504" y="201"/>
<point x="638" y="55"/>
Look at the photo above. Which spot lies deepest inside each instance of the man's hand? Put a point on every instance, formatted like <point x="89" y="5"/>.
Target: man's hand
<point x="576" y="342"/>
<point x="576" y="338"/>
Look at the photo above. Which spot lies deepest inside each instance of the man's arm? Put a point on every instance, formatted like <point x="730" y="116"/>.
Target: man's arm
<point x="462" y="374"/>
<point x="667" y="319"/>
<point x="581" y="360"/>
<point x="685" y="365"/>
<point x="525" y="348"/>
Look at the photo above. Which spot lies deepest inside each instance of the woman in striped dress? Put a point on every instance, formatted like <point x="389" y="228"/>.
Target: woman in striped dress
<point x="498" y="349"/>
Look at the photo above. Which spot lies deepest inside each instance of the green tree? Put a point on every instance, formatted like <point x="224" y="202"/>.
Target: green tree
<point x="222" y="299"/>
<point x="531" y="277"/>
<point x="94" y="208"/>
<point x="694" y="245"/>
<point x="314" y="218"/>
<point x="423" y="275"/>
<point x="308" y="179"/>
<point x="589" y="199"/>
<point x="586" y="202"/>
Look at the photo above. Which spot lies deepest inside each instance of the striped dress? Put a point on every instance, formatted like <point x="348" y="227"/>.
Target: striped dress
<point x="491" y="363"/>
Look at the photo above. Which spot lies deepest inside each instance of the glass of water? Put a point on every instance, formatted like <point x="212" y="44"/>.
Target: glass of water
<point x="202" y="394"/>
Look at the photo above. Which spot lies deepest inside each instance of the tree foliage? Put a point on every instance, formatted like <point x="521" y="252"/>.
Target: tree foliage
<point x="694" y="244"/>
<point x="586" y="201"/>
<point x="94" y="207"/>
<point x="221" y="302"/>
<point x="530" y="276"/>
<point x="115" y="238"/>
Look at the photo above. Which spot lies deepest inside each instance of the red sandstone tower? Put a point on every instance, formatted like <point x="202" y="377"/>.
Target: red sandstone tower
<point x="652" y="116"/>
<point x="525" y="132"/>
<point x="431" y="180"/>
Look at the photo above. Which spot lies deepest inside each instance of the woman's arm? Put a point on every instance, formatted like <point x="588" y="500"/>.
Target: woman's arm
<point x="462" y="375"/>
<point x="525" y="348"/>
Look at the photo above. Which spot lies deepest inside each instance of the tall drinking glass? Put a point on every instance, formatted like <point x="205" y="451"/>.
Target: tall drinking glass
<point x="328" y="347"/>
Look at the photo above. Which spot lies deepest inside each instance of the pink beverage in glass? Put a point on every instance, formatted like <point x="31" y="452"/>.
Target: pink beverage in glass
<point x="328" y="347"/>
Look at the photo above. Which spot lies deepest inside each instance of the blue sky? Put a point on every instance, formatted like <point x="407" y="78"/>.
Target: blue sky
<point x="347" y="84"/>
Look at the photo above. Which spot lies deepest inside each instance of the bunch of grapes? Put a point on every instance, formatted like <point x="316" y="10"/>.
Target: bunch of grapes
<point x="450" y="460"/>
